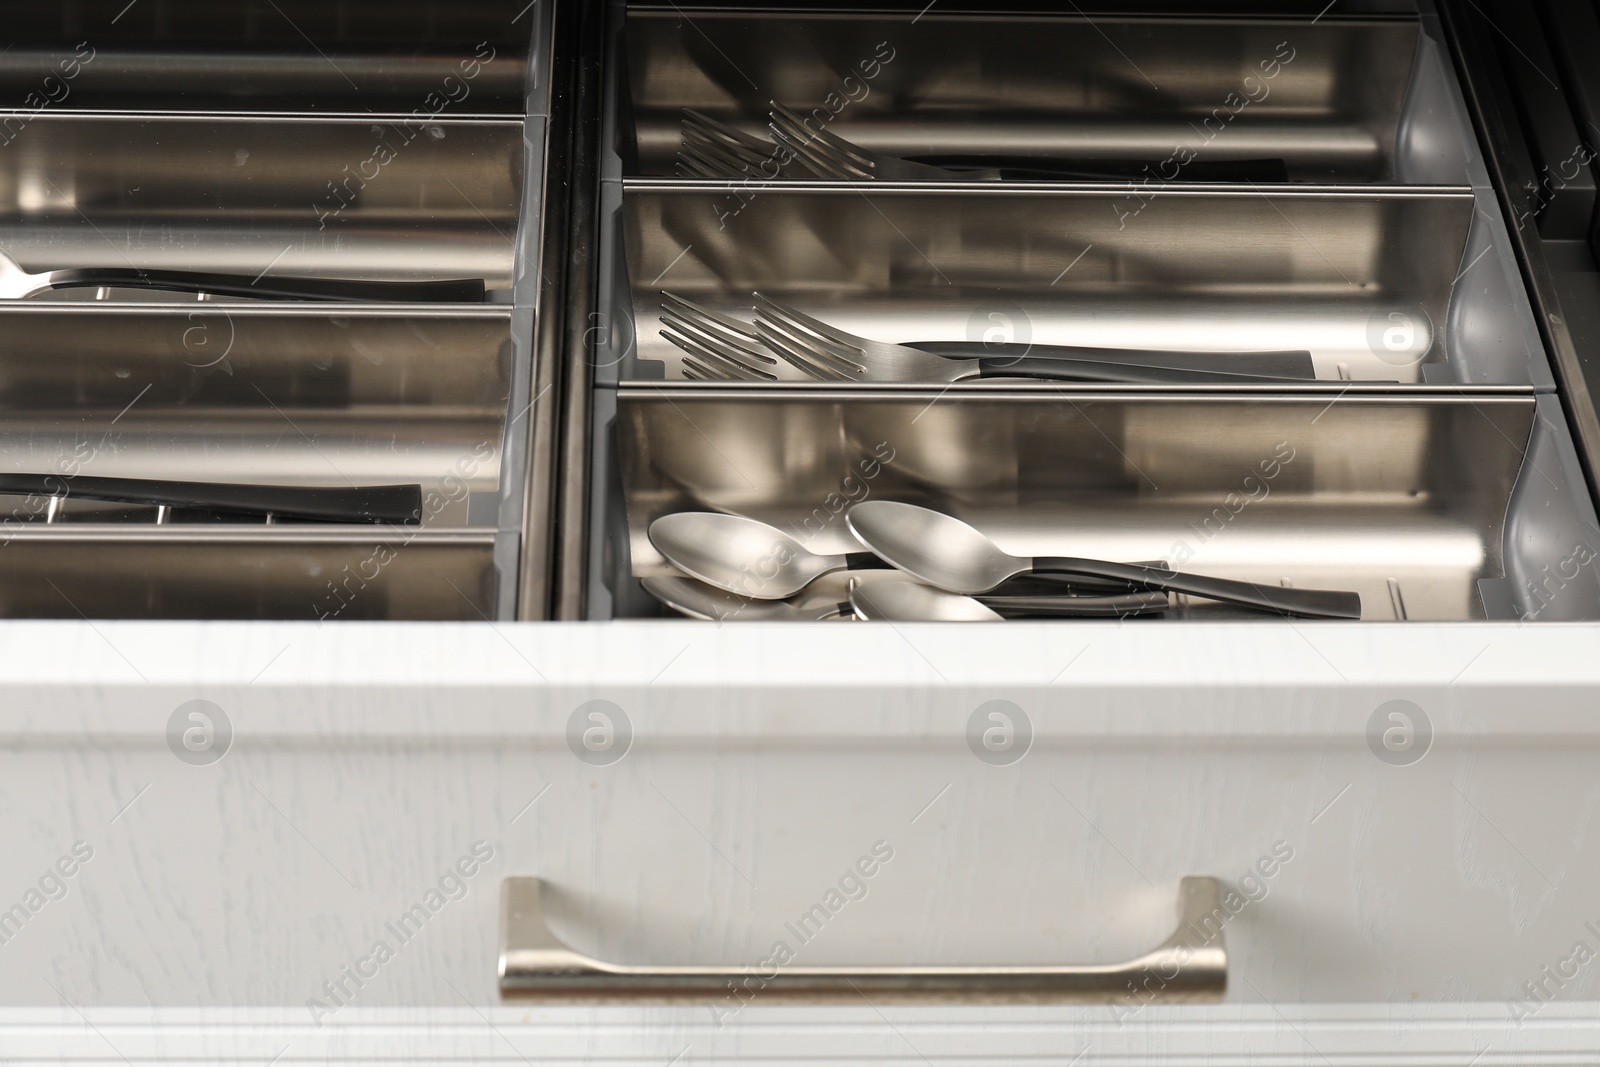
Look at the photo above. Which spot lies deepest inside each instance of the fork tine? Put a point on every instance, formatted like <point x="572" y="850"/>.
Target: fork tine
<point x="703" y="320"/>
<point x="710" y="348"/>
<point x="817" y="156"/>
<point x="720" y="341"/>
<point x="845" y="356"/>
<point x="728" y="158"/>
<point x="800" y="356"/>
<point x="717" y="150"/>
<point x="821" y="137"/>
<point x="783" y="313"/>
<point x="804" y="352"/>
<point x="715" y="129"/>
<point x="710" y="362"/>
<point x="824" y="163"/>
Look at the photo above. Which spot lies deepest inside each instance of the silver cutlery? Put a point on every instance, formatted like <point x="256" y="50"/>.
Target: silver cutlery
<point x="356" y="503"/>
<point x="829" y="354"/>
<point x="947" y="553"/>
<point x="719" y="347"/>
<point x="749" y="558"/>
<point x="745" y="556"/>
<point x="839" y="159"/>
<point x="709" y="148"/>
<point x="915" y="602"/>
<point x="18" y="284"/>
<point x="701" y="601"/>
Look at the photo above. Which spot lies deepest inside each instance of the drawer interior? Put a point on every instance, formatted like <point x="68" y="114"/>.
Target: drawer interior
<point x="1343" y="100"/>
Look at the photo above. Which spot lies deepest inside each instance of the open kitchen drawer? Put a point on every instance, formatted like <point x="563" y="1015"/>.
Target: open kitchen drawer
<point x="266" y="837"/>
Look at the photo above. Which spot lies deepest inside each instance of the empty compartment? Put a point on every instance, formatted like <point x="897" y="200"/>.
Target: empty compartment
<point x="268" y="55"/>
<point x="304" y="575"/>
<point x="388" y="198"/>
<point x="1155" y="100"/>
<point x="1383" y="285"/>
<point x="1439" y="507"/>
<point x="260" y="394"/>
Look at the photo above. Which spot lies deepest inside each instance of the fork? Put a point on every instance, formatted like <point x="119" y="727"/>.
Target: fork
<point x="832" y="156"/>
<point x="720" y="347"/>
<point x="828" y="354"/>
<point x="710" y="148"/>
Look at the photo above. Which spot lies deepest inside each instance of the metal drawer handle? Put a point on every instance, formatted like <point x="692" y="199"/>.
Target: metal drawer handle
<point x="1190" y="965"/>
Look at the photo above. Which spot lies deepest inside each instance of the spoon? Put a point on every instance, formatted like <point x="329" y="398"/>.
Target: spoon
<point x="701" y="601"/>
<point x="744" y="556"/>
<point x="945" y="552"/>
<point x="749" y="558"/>
<point x="915" y="602"/>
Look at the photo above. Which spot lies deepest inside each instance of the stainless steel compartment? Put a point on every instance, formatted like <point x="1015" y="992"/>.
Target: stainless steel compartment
<point x="1423" y="504"/>
<point x="351" y="55"/>
<point x="1381" y="284"/>
<point x="306" y="575"/>
<point x="1337" y="99"/>
<point x="391" y="197"/>
<point x="267" y="394"/>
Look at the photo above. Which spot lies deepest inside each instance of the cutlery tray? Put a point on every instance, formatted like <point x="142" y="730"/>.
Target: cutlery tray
<point x="1433" y="507"/>
<point x="1342" y="100"/>
<point x="1391" y="284"/>
<point x="395" y="143"/>
<point x="396" y="197"/>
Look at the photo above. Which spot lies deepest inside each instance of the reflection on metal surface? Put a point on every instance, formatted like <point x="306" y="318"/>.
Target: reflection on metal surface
<point x="1191" y="965"/>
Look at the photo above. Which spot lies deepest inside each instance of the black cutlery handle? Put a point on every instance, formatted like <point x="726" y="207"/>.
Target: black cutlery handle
<point x="1029" y="168"/>
<point x="1119" y="606"/>
<point x="1285" y="364"/>
<point x="1048" y="586"/>
<point x="1310" y="603"/>
<point x="1086" y="370"/>
<point x="366" y="503"/>
<point x="269" y="287"/>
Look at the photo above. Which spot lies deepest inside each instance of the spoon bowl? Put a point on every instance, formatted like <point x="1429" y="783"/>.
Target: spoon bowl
<point x="743" y="556"/>
<point x="698" y="600"/>
<point x="915" y="602"/>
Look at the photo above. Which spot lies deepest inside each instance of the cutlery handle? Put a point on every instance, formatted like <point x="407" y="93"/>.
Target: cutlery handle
<point x="269" y="287"/>
<point x="1190" y="965"/>
<point x="1028" y="168"/>
<point x="1085" y="370"/>
<point x="1013" y="607"/>
<point x="369" y="503"/>
<point x="1285" y="364"/>
<point x="1310" y="603"/>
